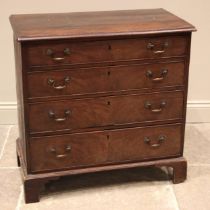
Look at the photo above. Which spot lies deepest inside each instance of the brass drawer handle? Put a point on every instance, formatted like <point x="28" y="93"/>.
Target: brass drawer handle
<point x="52" y="83"/>
<point x="52" y="115"/>
<point x="50" y="53"/>
<point x="148" y="105"/>
<point x="160" y="140"/>
<point x="163" y="74"/>
<point x="67" y="150"/>
<point x="152" y="47"/>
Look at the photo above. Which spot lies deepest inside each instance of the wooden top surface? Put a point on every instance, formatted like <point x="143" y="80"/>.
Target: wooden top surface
<point x="96" y="24"/>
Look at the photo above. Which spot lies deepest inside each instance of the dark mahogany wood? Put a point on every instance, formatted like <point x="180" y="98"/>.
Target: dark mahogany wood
<point x="68" y="151"/>
<point x="86" y="52"/>
<point x="97" y="24"/>
<point x="104" y="147"/>
<point x="131" y="144"/>
<point x="33" y="183"/>
<point x="103" y="111"/>
<point x="32" y="190"/>
<point x="86" y="81"/>
<point x="100" y="91"/>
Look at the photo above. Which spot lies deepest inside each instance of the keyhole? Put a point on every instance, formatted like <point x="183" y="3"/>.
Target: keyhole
<point x="108" y="103"/>
<point x="107" y="136"/>
<point x="108" y="73"/>
<point x="109" y="47"/>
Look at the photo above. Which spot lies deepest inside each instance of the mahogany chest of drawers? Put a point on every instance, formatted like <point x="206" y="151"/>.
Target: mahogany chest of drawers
<point x="100" y="91"/>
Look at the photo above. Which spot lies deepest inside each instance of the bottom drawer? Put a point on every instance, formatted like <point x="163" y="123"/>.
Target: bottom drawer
<point x="104" y="147"/>
<point x="145" y="143"/>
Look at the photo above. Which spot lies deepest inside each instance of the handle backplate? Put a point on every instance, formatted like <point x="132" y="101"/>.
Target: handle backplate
<point x="51" y="82"/>
<point x="51" y="54"/>
<point x="154" y="49"/>
<point x="163" y="74"/>
<point x="148" y="105"/>
<point x="57" y="155"/>
<point x="52" y="115"/>
<point x="160" y="140"/>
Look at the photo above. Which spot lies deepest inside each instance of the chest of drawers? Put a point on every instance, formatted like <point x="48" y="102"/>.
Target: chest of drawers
<point x="100" y="91"/>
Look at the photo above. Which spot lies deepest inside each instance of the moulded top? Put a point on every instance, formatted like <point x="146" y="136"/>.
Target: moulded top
<point x="96" y="24"/>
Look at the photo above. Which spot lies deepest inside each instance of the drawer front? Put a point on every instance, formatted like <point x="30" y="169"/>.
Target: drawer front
<point x="105" y="79"/>
<point x="104" y="147"/>
<point x="113" y="110"/>
<point x="69" y="52"/>
<point x="59" y="152"/>
<point x="145" y="143"/>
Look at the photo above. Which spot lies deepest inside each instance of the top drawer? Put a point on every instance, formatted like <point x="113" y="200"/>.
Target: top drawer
<point x="67" y="52"/>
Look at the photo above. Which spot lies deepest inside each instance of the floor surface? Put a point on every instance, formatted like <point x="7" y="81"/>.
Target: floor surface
<point x="135" y="189"/>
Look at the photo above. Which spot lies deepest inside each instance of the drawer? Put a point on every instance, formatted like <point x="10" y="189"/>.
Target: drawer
<point x="105" y="79"/>
<point x="67" y="151"/>
<point x="104" y="111"/>
<point x="145" y="143"/>
<point x="104" y="147"/>
<point x="64" y="52"/>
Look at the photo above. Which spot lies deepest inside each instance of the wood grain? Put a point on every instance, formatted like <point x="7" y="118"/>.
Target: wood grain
<point x="96" y="24"/>
<point x="98" y="80"/>
<point x="85" y="52"/>
<point x="90" y="113"/>
<point x="110" y="114"/>
<point x="33" y="183"/>
<point x="104" y="147"/>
